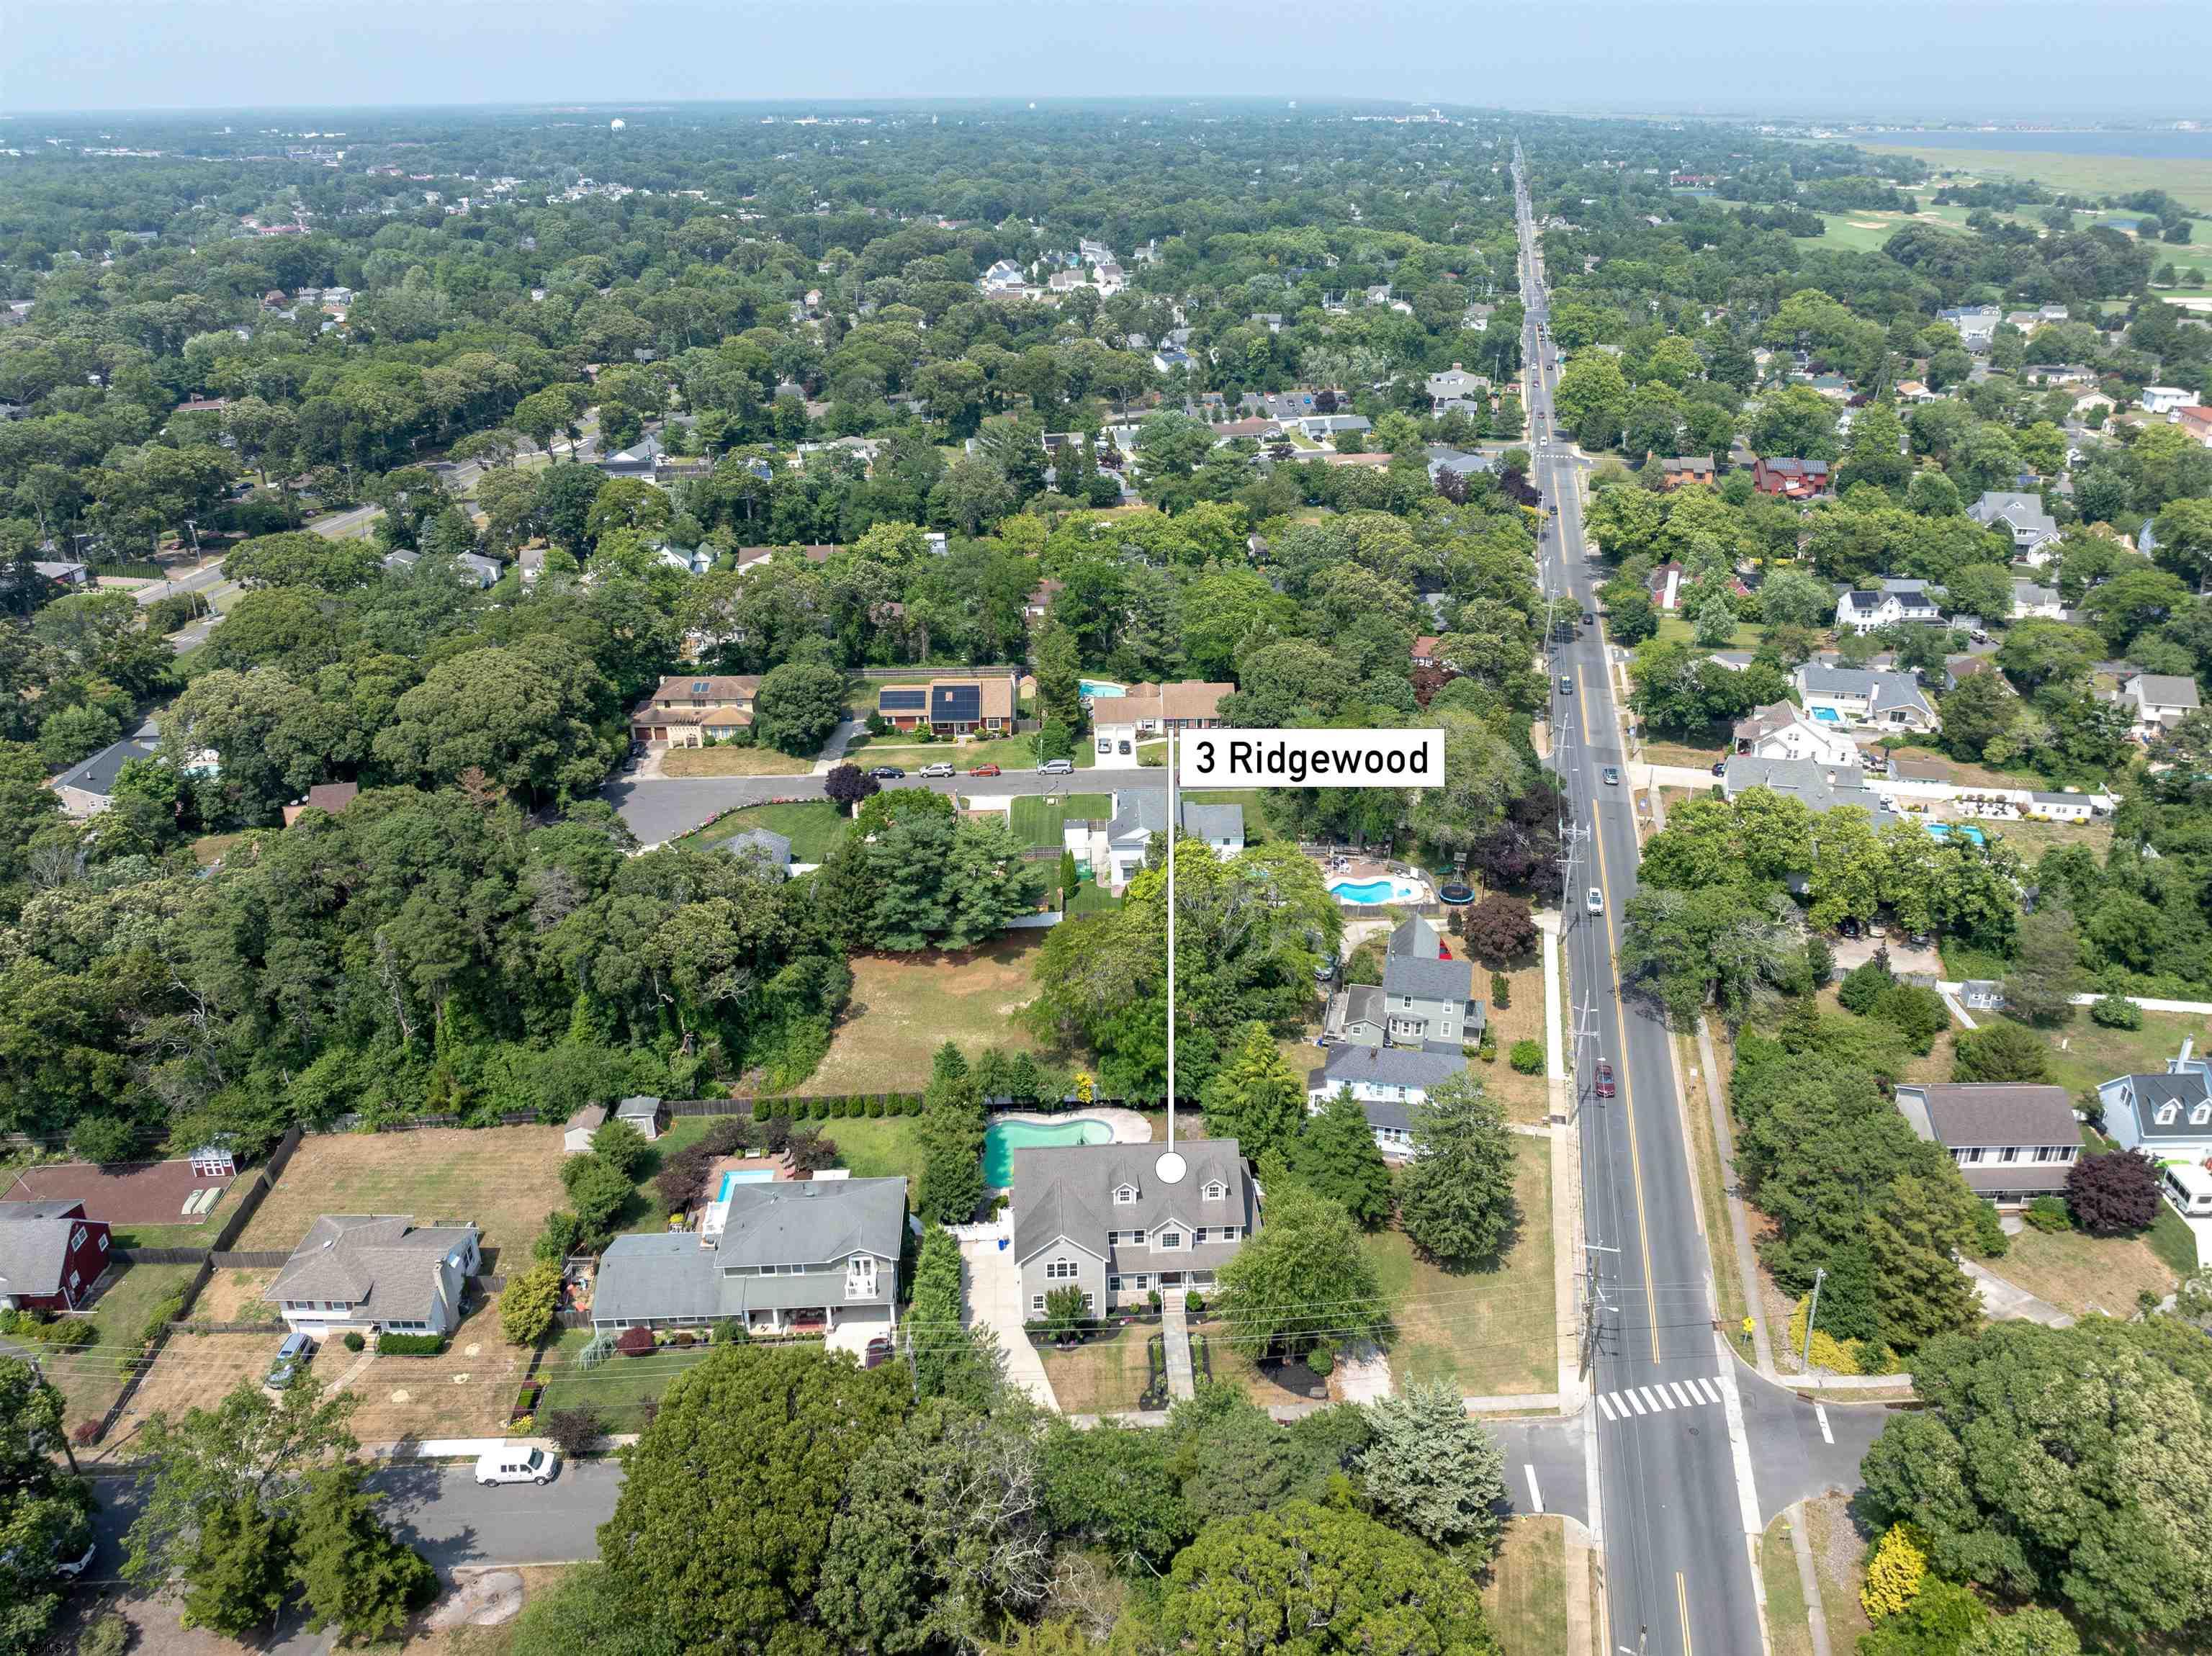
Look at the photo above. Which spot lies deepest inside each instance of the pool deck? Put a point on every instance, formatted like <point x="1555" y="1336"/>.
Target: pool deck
<point x="1129" y="1127"/>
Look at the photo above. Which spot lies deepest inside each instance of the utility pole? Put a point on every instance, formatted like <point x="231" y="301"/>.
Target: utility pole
<point x="1593" y="1302"/>
<point x="1812" y="1311"/>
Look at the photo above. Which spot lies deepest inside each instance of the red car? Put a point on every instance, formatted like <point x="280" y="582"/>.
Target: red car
<point x="984" y="770"/>
<point x="1605" y="1087"/>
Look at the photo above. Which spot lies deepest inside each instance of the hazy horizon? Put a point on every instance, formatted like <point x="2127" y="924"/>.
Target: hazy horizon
<point x="1874" y="60"/>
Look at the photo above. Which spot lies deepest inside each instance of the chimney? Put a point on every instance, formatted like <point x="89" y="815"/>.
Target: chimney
<point x="2187" y="1043"/>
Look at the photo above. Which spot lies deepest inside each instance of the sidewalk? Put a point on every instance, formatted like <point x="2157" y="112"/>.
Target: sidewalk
<point x="1175" y="1338"/>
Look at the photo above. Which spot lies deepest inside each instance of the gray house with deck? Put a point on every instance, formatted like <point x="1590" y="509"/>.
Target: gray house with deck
<point x="798" y="1256"/>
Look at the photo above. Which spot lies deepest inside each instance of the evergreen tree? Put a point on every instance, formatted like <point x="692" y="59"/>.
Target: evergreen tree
<point x="1435" y="1472"/>
<point x="1847" y="1295"/>
<point x="1455" y="1200"/>
<point x="1060" y="690"/>
<point x="951" y="1186"/>
<point x="354" y="1573"/>
<point x="1336" y="1156"/>
<point x="1923" y="1292"/>
<point x="1254" y="1098"/>
<point x="234" y="1568"/>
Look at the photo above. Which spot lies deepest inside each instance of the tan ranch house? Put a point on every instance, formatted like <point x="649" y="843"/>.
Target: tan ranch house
<point x="684" y="712"/>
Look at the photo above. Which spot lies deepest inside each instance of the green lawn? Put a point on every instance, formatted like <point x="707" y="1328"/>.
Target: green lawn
<point x="618" y="1390"/>
<point x="1038" y="819"/>
<point x="813" y="828"/>
<point x="89" y="1379"/>
<point x="1090" y="898"/>
<point x="1673" y="629"/>
<point x="885" y="1148"/>
<point x="906" y="1006"/>
<point x="1525" y="1596"/>
<point x="2187" y="179"/>
<point x="1488" y="1332"/>
<point x="1011" y="753"/>
<point x="2092" y="1054"/>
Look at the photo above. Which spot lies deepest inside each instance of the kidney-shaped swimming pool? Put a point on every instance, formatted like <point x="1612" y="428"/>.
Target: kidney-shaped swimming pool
<point x="1002" y="1138"/>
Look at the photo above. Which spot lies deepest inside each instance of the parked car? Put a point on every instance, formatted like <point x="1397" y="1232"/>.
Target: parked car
<point x="984" y="770"/>
<point x="887" y="773"/>
<point x="1603" y="1083"/>
<point x="1105" y="744"/>
<point x="637" y="750"/>
<point x="942" y="767"/>
<point x="297" y="1351"/>
<point x="1848" y="927"/>
<point x="513" y="1464"/>
<point x="1611" y="776"/>
<point x="1720" y="767"/>
<point x="1594" y="902"/>
<point x="1055" y="768"/>
<point x="1125" y="747"/>
<point x="879" y="1352"/>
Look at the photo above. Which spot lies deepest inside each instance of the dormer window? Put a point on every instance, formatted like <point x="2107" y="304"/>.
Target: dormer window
<point x="1124" y="1194"/>
<point x="2200" y="1115"/>
<point x="2168" y="1114"/>
<point x="1216" y="1191"/>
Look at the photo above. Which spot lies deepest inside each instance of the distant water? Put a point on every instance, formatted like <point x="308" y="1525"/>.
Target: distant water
<point x="2154" y="146"/>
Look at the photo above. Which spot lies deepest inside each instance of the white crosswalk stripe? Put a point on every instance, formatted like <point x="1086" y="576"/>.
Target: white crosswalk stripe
<point x="1634" y="1402"/>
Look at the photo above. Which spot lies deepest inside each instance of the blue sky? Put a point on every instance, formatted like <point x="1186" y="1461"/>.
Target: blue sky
<point x="1931" y="59"/>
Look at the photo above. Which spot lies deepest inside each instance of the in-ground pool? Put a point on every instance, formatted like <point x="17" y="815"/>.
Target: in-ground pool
<point x="1965" y="831"/>
<point x="1092" y="689"/>
<point x="1827" y="715"/>
<point x="743" y="1176"/>
<point x="1002" y="1138"/>
<point x="1386" y="888"/>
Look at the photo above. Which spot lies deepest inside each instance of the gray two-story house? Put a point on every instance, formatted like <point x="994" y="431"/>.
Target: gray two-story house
<point x="1390" y="1043"/>
<point x="798" y="1256"/>
<point x="1099" y="1217"/>
<point x="376" y="1272"/>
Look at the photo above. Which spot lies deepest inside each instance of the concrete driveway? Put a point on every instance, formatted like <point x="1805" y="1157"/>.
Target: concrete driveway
<point x="991" y="1284"/>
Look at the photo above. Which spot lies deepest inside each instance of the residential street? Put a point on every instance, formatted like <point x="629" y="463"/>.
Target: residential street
<point x="1675" y="1483"/>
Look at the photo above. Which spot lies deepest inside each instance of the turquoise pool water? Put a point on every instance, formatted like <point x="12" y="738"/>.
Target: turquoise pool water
<point x="1372" y="892"/>
<point x="1094" y="687"/>
<point x="1002" y="1138"/>
<point x="1827" y="715"/>
<point x="743" y="1176"/>
<point x="1945" y="830"/>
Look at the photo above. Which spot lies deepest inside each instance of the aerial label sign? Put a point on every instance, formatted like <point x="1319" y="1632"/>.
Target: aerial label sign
<point x="1311" y="759"/>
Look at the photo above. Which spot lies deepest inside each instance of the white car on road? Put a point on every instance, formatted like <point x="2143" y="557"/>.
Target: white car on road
<point x="513" y="1464"/>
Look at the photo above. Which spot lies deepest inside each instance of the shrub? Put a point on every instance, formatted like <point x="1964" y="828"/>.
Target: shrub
<point x="1501" y="991"/>
<point x="572" y="1430"/>
<point x="1863" y="985"/>
<point x="410" y="1346"/>
<point x="86" y="1431"/>
<point x="526" y="1309"/>
<point x="1322" y="1358"/>
<point x="1195" y="1303"/>
<point x="1528" y="1058"/>
<point x="2113" y="1195"/>
<point x="2047" y="1213"/>
<point x="596" y="1351"/>
<point x="2003" y="1051"/>
<point x="1893" y="1575"/>
<point x="875" y="1107"/>
<point x="760" y="1109"/>
<point x="682" y="1339"/>
<point x="2115" y="1012"/>
<point x="1990" y="1242"/>
<point x="158" y="1320"/>
<point x="354" y="1342"/>
<point x="1835" y="1356"/>
<point x="109" y="1635"/>
<point x="634" y="1343"/>
<point x="731" y="1331"/>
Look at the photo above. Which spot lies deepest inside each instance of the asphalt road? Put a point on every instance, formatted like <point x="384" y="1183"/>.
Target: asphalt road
<point x="659" y="808"/>
<point x="442" y="1511"/>
<point x="1673" y="1518"/>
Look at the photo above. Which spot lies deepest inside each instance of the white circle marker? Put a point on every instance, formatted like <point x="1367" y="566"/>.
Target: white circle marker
<point x="1170" y="1167"/>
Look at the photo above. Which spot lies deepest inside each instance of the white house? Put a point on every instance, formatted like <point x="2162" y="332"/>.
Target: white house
<point x="1861" y="696"/>
<point x="1388" y="1081"/>
<point x="1977" y="323"/>
<point x="2033" y="603"/>
<point x="1454" y="385"/>
<point x="2164" y="399"/>
<point x="1785" y="730"/>
<point x="1889" y="604"/>
<point x="2159" y="701"/>
<point x="2022" y="517"/>
<point x="1116" y="849"/>
<point x="2168" y="1116"/>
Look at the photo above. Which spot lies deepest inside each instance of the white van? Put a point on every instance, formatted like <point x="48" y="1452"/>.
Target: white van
<point x="2188" y="1187"/>
<point x="513" y="1464"/>
<point x="1595" y="901"/>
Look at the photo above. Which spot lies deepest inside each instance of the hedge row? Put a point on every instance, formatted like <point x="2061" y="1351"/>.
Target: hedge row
<point x="838" y="1107"/>
<point x="410" y="1346"/>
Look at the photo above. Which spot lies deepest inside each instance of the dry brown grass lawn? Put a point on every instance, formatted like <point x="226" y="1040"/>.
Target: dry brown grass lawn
<point x="235" y="1296"/>
<point x="1526" y="1098"/>
<point x="2080" y="1273"/>
<point x="464" y="1392"/>
<point x="732" y="762"/>
<point x="194" y="1371"/>
<point x="506" y="1179"/>
<point x="904" y="1007"/>
<point x="1102" y="1376"/>
<point x="1525" y="1596"/>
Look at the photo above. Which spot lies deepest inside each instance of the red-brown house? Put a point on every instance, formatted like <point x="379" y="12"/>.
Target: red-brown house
<point x="51" y="1255"/>
<point x="1793" y="480"/>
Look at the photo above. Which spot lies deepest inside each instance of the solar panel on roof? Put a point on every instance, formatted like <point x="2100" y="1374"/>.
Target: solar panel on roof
<point x="902" y="700"/>
<point x="957" y="703"/>
<point x="700" y="686"/>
